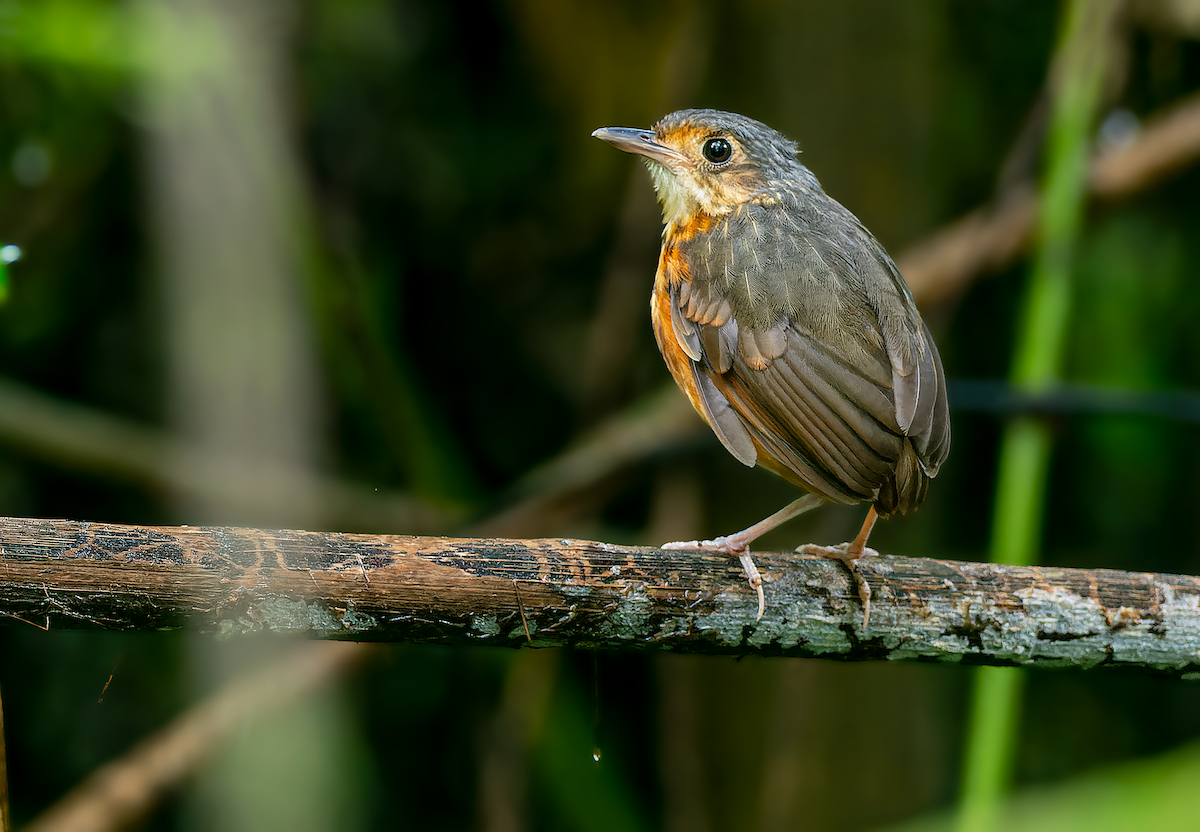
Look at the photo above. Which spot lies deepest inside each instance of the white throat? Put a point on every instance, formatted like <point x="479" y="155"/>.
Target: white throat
<point x="678" y="197"/>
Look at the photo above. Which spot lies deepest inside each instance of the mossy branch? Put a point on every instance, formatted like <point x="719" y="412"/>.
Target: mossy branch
<point x="553" y="593"/>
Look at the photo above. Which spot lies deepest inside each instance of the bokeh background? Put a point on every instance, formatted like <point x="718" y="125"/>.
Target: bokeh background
<point x="358" y="265"/>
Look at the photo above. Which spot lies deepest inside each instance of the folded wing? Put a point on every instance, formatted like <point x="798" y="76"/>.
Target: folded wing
<point x="811" y="361"/>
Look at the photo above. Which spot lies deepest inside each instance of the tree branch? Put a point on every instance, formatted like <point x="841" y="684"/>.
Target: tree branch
<point x="546" y="593"/>
<point x="89" y="439"/>
<point x="943" y="264"/>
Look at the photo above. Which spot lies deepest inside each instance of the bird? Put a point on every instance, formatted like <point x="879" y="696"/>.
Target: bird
<point x="789" y="328"/>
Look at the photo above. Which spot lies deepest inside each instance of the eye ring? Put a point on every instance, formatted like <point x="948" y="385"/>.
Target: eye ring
<point x="717" y="150"/>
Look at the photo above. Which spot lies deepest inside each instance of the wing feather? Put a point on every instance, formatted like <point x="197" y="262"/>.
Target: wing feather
<point x="819" y="358"/>
<point x="724" y="420"/>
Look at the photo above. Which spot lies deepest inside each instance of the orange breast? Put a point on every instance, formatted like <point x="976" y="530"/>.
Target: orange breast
<point x="673" y="270"/>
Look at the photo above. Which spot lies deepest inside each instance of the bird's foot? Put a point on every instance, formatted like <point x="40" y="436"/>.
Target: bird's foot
<point x="754" y="578"/>
<point x="848" y="554"/>
<point x="725" y="545"/>
<point x="741" y="551"/>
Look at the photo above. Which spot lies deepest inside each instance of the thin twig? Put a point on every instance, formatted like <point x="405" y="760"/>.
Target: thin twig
<point x="521" y="607"/>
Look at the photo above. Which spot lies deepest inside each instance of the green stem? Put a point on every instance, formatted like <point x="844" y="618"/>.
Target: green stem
<point x="1025" y="450"/>
<point x="992" y="728"/>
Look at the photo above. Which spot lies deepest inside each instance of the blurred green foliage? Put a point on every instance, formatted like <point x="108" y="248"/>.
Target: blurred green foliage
<point x="462" y="236"/>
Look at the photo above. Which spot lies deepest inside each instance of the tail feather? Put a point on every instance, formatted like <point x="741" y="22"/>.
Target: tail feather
<point x="905" y="489"/>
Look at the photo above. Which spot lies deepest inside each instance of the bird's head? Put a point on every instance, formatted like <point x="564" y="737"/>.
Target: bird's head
<point x="708" y="161"/>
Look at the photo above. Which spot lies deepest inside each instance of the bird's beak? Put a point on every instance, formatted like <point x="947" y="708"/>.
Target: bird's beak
<point x="642" y="142"/>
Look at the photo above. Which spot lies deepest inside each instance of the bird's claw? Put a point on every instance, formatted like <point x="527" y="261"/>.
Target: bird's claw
<point x="754" y="577"/>
<point x="843" y="551"/>
<point x="848" y="555"/>
<point x="741" y="552"/>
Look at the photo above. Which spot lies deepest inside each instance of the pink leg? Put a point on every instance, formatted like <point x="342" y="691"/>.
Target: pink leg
<point x="738" y="544"/>
<point x="859" y="544"/>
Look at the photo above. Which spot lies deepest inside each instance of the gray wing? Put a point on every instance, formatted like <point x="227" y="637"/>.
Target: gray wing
<point x="800" y="326"/>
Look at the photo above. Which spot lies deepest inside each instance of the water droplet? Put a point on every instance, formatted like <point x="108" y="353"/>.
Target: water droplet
<point x="10" y="253"/>
<point x="596" y="754"/>
<point x="1119" y="129"/>
<point x="32" y="163"/>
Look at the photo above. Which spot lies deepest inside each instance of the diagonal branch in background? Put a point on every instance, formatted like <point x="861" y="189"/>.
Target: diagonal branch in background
<point x="87" y="439"/>
<point x="943" y="264"/>
<point x="118" y="794"/>
<point x="659" y="423"/>
<point x="549" y="593"/>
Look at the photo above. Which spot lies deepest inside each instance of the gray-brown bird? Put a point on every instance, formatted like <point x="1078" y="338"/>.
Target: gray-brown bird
<point x="789" y="327"/>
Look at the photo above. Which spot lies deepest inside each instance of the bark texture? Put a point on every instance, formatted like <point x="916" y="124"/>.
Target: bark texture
<point x="559" y="592"/>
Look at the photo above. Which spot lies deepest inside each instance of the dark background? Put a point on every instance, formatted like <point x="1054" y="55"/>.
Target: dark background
<point x="393" y="255"/>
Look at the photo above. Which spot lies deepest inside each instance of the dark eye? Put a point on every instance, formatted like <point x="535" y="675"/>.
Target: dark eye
<point x="717" y="150"/>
